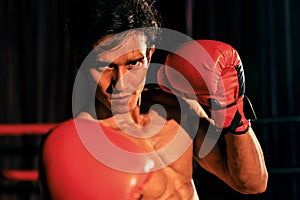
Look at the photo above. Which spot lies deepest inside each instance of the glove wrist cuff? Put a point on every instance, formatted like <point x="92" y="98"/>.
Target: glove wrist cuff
<point x="239" y="124"/>
<point x="232" y="118"/>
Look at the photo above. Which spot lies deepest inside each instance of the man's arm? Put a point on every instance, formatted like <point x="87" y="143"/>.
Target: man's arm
<point x="215" y="73"/>
<point x="237" y="160"/>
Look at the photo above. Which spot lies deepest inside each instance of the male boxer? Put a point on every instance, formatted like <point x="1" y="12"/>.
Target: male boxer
<point x="116" y="148"/>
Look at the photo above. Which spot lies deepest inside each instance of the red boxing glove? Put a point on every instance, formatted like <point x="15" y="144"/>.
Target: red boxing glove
<point x="216" y="75"/>
<point x="69" y="171"/>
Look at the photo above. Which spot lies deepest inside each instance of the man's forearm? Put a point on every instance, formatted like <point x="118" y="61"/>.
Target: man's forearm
<point x="237" y="160"/>
<point x="245" y="162"/>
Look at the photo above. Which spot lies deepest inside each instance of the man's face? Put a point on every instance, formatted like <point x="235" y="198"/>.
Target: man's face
<point x="120" y="73"/>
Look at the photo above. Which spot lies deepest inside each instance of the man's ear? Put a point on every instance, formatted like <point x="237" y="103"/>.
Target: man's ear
<point x="150" y="52"/>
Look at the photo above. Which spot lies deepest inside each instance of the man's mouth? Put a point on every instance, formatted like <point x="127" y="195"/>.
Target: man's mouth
<point x="120" y="99"/>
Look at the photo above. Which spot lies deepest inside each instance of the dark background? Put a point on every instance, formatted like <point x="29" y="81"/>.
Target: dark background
<point x="37" y="73"/>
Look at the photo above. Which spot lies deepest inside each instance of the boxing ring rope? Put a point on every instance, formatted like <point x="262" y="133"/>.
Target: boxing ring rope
<point x="20" y="130"/>
<point x="277" y="120"/>
<point x="25" y="129"/>
<point x="20" y="175"/>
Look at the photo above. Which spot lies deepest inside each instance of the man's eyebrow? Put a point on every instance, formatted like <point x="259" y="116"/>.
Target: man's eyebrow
<point x="102" y="63"/>
<point x="140" y="58"/>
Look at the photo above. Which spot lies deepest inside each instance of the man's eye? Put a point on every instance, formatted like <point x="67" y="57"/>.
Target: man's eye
<point x="133" y="62"/>
<point x="136" y="63"/>
<point x="101" y="66"/>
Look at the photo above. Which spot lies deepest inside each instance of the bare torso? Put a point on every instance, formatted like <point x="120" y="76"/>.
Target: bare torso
<point x="67" y="161"/>
<point x="174" y="180"/>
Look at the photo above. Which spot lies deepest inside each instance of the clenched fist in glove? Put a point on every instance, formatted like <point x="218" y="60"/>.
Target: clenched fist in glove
<point x="70" y="170"/>
<point x="216" y="76"/>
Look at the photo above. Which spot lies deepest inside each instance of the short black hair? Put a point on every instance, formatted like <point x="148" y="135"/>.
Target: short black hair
<point x="91" y="20"/>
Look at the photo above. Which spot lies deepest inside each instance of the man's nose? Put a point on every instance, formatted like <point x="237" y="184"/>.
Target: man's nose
<point x="119" y="78"/>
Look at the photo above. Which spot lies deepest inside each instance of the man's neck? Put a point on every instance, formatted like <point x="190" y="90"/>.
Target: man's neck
<point x="103" y="114"/>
